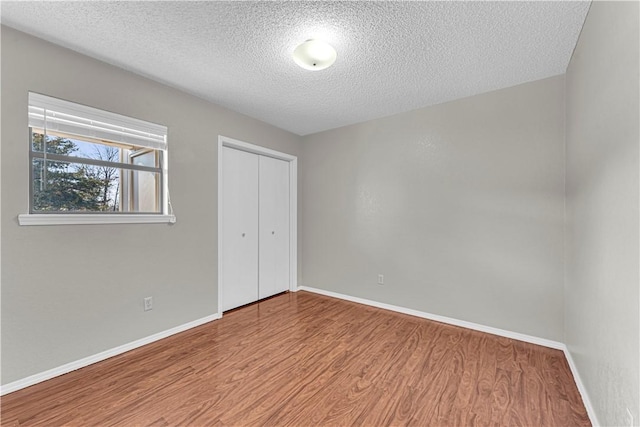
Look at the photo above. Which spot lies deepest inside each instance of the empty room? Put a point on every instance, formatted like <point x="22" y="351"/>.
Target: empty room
<point x="320" y="213"/>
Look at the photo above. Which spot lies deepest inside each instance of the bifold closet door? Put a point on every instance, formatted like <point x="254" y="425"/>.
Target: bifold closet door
<point x="240" y="188"/>
<point x="274" y="227"/>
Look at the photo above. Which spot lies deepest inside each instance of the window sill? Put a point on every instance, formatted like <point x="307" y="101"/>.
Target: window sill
<point x="87" y="219"/>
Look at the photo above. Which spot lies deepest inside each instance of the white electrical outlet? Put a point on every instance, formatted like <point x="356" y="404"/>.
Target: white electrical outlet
<point x="380" y="279"/>
<point x="148" y="303"/>
<point x="630" y="418"/>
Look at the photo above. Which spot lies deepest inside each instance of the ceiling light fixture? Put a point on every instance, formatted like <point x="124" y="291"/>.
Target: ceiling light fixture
<point x="314" y="55"/>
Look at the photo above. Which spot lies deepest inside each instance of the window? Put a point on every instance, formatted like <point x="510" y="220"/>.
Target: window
<point x="93" y="166"/>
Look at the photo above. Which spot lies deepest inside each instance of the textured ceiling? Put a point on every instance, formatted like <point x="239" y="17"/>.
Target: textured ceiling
<point x="392" y="56"/>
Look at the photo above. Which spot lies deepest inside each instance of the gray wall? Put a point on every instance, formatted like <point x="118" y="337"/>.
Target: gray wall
<point x="72" y="291"/>
<point x="460" y="206"/>
<point x="601" y="298"/>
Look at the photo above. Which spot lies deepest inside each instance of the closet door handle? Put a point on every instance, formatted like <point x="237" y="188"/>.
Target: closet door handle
<point x="273" y="232"/>
<point x="242" y="234"/>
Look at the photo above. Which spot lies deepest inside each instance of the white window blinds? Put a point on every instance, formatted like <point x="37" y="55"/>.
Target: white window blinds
<point x="55" y="114"/>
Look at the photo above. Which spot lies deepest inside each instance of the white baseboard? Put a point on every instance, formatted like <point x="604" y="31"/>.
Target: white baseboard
<point x="72" y="366"/>
<point x="581" y="388"/>
<point x="443" y="319"/>
<point x="476" y="327"/>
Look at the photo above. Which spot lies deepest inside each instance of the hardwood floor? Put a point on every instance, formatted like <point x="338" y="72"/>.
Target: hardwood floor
<point x="301" y="359"/>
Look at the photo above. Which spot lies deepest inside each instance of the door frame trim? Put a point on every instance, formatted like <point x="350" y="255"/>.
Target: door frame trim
<point x="224" y="141"/>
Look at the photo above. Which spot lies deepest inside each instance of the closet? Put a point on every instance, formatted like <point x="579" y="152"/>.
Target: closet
<point x="255" y="227"/>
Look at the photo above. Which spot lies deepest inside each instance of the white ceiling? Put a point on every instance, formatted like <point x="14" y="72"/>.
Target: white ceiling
<point x="392" y="56"/>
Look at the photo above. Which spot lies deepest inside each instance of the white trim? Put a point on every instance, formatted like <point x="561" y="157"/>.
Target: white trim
<point x="581" y="388"/>
<point x="442" y="319"/>
<point x="75" y="219"/>
<point x="224" y="141"/>
<point x="72" y="366"/>
<point x="219" y="230"/>
<point x="293" y="225"/>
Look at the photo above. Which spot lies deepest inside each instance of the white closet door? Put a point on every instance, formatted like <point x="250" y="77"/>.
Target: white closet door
<point x="240" y="233"/>
<point x="274" y="226"/>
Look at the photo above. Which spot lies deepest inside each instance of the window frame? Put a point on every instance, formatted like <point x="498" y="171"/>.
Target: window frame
<point x="128" y="181"/>
<point x="34" y="217"/>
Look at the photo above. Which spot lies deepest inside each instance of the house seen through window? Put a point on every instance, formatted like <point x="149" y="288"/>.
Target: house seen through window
<point x="85" y="160"/>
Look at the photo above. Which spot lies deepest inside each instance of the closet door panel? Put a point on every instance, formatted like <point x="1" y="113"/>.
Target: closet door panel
<point x="240" y="232"/>
<point x="274" y="226"/>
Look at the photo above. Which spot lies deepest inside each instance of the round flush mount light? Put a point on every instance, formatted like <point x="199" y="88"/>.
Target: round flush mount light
<point x="314" y="55"/>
